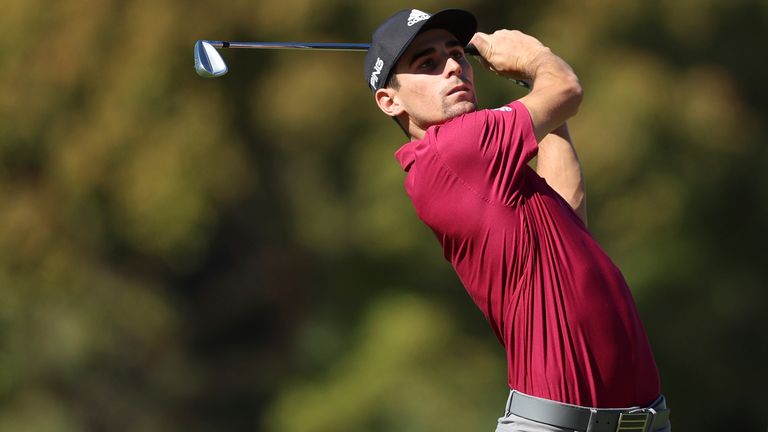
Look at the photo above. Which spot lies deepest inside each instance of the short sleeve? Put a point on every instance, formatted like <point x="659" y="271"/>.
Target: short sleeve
<point x="488" y="149"/>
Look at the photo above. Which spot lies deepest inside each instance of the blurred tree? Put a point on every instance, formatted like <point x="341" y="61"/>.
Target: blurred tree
<point x="181" y="254"/>
<point x="411" y="370"/>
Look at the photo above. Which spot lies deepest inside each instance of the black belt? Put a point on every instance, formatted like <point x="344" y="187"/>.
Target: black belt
<point x="580" y="418"/>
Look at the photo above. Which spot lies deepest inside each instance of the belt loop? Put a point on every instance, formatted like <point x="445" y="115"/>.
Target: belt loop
<point x="508" y="408"/>
<point x="592" y="419"/>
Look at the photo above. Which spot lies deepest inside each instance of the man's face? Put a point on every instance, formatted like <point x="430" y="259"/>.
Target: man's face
<point x="435" y="79"/>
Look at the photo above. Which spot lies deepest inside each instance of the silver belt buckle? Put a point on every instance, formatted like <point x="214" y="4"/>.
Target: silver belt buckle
<point x="636" y="421"/>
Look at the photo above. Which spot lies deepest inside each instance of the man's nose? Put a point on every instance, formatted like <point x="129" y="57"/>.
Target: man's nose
<point x="452" y="67"/>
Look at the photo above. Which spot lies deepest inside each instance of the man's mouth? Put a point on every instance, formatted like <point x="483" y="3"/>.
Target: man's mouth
<point x="459" y="88"/>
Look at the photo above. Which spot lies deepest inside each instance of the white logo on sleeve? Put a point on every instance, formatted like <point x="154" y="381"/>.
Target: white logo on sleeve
<point x="376" y="72"/>
<point x="417" y="16"/>
<point x="504" y="108"/>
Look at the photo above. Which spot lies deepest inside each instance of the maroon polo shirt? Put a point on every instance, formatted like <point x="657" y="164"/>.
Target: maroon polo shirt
<point x="555" y="300"/>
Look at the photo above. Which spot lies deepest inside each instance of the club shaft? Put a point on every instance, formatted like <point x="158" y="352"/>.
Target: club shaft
<point x="306" y="45"/>
<point x="292" y="45"/>
<point x="204" y="70"/>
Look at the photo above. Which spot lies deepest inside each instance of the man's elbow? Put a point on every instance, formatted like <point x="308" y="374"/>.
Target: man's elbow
<point x="572" y="93"/>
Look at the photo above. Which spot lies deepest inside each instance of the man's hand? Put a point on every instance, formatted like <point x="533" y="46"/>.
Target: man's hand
<point x="509" y="53"/>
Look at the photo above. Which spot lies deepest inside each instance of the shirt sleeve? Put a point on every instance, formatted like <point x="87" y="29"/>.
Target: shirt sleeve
<point x="489" y="149"/>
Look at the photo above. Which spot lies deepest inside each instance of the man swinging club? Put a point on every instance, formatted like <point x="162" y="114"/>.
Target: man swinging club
<point x="578" y="356"/>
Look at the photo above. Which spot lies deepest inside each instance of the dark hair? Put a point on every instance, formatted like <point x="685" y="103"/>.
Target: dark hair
<point x="393" y="82"/>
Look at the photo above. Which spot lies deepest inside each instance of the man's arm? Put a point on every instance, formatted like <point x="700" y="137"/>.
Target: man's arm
<point x="555" y="97"/>
<point x="558" y="163"/>
<point x="555" y="90"/>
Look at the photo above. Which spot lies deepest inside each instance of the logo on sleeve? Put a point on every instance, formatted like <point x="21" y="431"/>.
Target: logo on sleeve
<point x="376" y="72"/>
<point x="417" y="16"/>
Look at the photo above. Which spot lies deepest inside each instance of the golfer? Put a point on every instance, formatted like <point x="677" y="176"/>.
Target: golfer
<point x="578" y="356"/>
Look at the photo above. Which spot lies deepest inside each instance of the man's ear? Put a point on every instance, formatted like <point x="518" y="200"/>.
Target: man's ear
<point x="388" y="102"/>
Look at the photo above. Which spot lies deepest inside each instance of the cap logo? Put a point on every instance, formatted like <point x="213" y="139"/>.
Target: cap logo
<point x="376" y="72"/>
<point x="417" y="16"/>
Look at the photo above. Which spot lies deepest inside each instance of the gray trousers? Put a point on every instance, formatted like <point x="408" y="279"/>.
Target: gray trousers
<point x="512" y="423"/>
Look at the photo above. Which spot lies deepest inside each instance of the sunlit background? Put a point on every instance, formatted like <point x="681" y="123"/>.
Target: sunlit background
<point x="238" y="254"/>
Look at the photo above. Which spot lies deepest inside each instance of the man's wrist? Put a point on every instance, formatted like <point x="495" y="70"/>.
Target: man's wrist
<point x="544" y="56"/>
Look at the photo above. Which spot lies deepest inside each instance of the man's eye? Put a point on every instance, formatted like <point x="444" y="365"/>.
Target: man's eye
<point x="457" y="55"/>
<point x="427" y="64"/>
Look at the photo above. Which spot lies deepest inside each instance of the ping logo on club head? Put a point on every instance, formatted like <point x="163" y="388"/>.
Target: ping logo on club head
<point x="376" y="72"/>
<point x="417" y="16"/>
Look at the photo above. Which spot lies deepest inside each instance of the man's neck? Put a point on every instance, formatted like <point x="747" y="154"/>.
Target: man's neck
<point x="416" y="133"/>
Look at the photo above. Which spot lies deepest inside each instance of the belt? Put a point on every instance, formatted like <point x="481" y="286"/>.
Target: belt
<point x="578" y="418"/>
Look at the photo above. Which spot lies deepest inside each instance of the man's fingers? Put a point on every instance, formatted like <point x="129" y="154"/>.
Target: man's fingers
<point x="484" y="48"/>
<point x="480" y="41"/>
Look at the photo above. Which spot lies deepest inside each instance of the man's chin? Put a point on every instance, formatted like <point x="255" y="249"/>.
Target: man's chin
<point x="460" y="108"/>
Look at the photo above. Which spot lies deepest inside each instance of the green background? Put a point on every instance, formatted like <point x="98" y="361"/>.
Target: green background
<point x="238" y="254"/>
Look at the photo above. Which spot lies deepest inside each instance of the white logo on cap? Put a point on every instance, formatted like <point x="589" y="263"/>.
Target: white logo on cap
<point x="376" y="72"/>
<point x="417" y="16"/>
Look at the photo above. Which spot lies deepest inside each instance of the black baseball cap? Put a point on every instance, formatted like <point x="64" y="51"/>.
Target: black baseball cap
<point x="392" y="38"/>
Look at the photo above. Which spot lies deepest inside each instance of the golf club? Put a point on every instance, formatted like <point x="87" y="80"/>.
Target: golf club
<point x="209" y="64"/>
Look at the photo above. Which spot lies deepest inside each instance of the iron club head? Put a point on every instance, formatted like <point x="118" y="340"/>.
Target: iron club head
<point x="208" y="61"/>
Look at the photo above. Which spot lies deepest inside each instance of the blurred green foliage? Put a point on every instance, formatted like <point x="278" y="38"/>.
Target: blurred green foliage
<point x="239" y="253"/>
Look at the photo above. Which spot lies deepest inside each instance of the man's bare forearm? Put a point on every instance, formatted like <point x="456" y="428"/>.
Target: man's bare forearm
<point x="558" y="163"/>
<point x="555" y="94"/>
